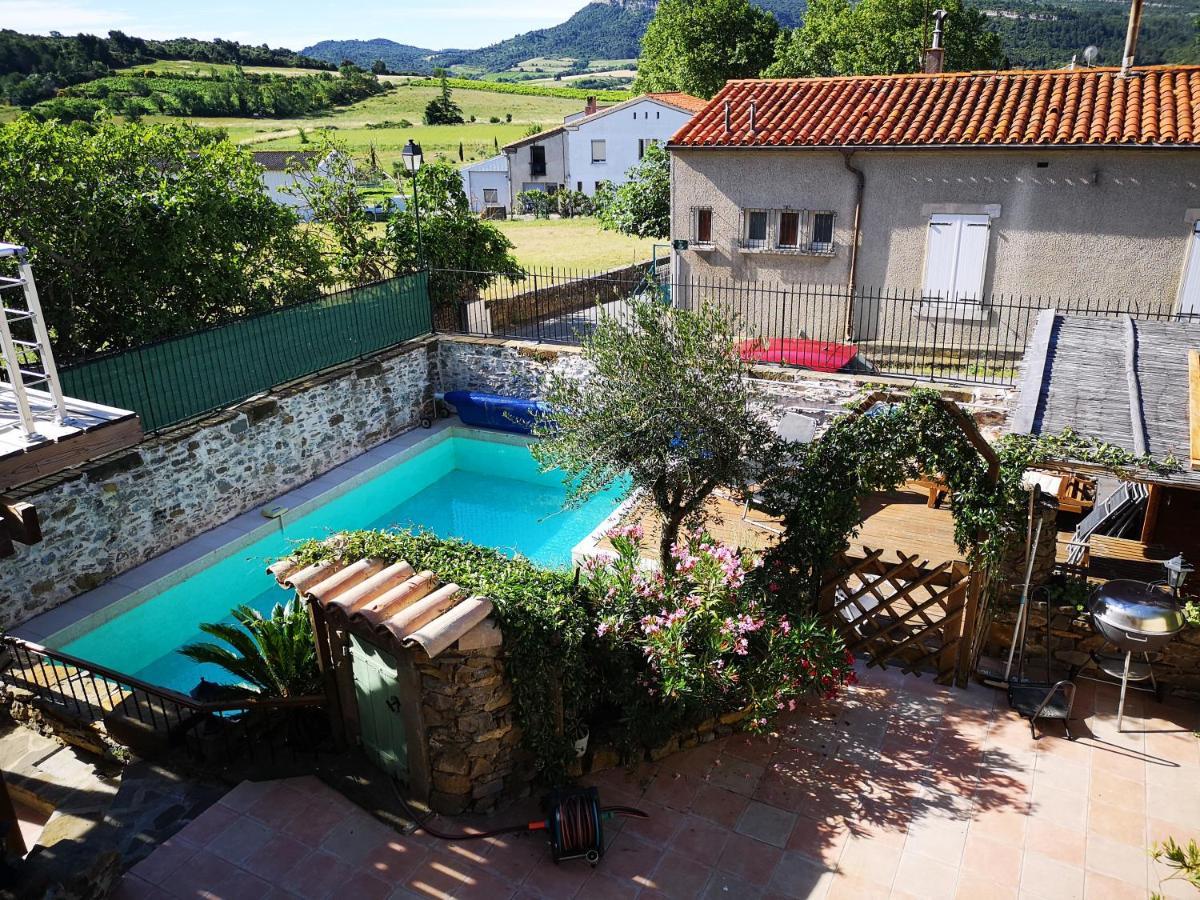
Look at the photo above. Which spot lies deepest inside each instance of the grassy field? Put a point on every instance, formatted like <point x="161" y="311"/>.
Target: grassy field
<point x="573" y="244"/>
<point x="375" y="123"/>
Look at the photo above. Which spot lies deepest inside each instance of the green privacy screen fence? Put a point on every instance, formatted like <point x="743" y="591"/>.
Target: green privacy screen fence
<point x="176" y="379"/>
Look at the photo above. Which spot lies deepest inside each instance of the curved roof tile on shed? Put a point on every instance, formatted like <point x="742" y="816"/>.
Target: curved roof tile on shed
<point x="393" y="604"/>
<point x="1153" y="106"/>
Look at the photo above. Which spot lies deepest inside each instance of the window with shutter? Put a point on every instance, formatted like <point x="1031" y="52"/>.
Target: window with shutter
<point x="1189" y="293"/>
<point x="537" y="160"/>
<point x="755" y="235"/>
<point x="955" y="263"/>
<point x="702" y="229"/>
<point x="789" y="229"/>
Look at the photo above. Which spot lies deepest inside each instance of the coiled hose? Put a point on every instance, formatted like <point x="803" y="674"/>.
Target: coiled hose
<point x="574" y="821"/>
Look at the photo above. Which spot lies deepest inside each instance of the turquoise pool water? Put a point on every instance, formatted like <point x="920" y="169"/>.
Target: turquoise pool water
<point x="485" y="491"/>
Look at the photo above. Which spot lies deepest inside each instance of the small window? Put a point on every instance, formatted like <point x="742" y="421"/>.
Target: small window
<point x="789" y="229"/>
<point x="537" y="160"/>
<point x="822" y="232"/>
<point x="702" y="230"/>
<point x="657" y="115"/>
<point x="644" y="144"/>
<point x="491" y="195"/>
<point x="579" y="186"/>
<point x="599" y="151"/>
<point x="599" y="185"/>
<point x="755" y="237"/>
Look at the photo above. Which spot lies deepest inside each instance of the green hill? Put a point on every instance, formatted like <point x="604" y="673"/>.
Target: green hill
<point x="397" y="57"/>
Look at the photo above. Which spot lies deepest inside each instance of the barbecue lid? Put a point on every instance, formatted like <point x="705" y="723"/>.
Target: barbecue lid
<point x="1137" y="606"/>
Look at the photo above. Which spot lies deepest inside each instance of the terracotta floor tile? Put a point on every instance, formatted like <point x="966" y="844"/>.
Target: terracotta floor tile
<point x="316" y="821"/>
<point x="1001" y="824"/>
<point x="278" y="805"/>
<point x="602" y="887"/>
<point x="238" y="884"/>
<point x="658" y="828"/>
<point x="1066" y="845"/>
<point x="160" y="865"/>
<point x="246" y="794"/>
<point x="1124" y="862"/>
<point x="1126" y="793"/>
<point x="679" y="877"/>
<point x="1102" y="887"/>
<point x="240" y="839"/>
<point x="871" y="860"/>
<point x="133" y="888"/>
<point x="632" y="860"/>
<point x="768" y="824"/>
<point x="552" y="881"/>
<point x="998" y="862"/>
<point x="922" y="876"/>
<point x="212" y="821"/>
<point x="1117" y="823"/>
<point x="197" y="878"/>
<point x="937" y="840"/>
<point x="1066" y="808"/>
<point x="480" y="884"/>
<point x="699" y="839"/>
<point x="727" y="886"/>
<point x="673" y="790"/>
<point x="736" y="775"/>
<point x="719" y="805"/>
<point x="1048" y="878"/>
<point x="974" y="887"/>
<point x="751" y="860"/>
<point x="274" y="859"/>
<point x="851" y="887"/>
<point x="821" y="841"/>
<point x="753" y="748"/>
<point x="1116" y="761"/>
<point x="397" y="858"/>
<point x="798" y="877"/>
<point x="356" y="836"/>
<point x="316" y="875"/>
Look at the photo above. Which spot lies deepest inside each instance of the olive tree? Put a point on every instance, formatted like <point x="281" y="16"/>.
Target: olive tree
<point x="668" y="402"/>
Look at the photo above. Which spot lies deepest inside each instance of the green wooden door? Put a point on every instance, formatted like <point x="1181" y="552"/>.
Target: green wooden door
<point x="379" y="710"/>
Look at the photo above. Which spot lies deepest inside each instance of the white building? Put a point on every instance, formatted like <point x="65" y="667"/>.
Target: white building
<point x="604" y="145"/>
<point x="486" y="183"/>
<point x="280" y="183"/>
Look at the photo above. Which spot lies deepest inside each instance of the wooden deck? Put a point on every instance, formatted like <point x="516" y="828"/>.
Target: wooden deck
<point x="899" y="522"/>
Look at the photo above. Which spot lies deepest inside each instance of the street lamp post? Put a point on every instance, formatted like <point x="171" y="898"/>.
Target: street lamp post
<point x="412" y="164"/>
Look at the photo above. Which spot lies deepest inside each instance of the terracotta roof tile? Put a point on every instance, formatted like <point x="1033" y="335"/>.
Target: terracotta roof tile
<point x="680" y="100"/>
<point x="1154" y="105"/>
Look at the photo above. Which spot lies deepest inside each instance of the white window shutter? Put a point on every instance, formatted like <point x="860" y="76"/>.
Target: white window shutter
<point x="972" y="258"/>
<point x="1189" y="293"/>
<point x="941" y="249"/>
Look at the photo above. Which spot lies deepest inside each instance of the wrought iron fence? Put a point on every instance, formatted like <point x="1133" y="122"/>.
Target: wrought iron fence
<point x="890" y="331"/>
<point x="175" y="379"/>
<point x="134" y="711"/>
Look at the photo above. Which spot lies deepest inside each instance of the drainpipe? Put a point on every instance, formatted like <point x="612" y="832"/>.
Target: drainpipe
<point x="852" y="284"/>
<point x="1131" y="36"/>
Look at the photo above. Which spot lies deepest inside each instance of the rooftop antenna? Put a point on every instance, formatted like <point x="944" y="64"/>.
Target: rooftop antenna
<point x="1131" y="36"/>
<point x="753" y="116"/>
<point x="727" y="116"/>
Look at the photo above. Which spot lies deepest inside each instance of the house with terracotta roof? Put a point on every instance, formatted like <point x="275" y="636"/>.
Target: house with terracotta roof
<point x="597" y="145"/>
<point x="955" y="187"/>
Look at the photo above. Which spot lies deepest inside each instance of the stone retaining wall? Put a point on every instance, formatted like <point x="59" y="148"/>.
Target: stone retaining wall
<point x="105" y="517"/>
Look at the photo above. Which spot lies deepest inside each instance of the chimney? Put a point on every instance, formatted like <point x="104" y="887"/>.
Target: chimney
<point x="935" y="56"/>
<point x="1131" y="36"/>
<point x="753" y="116"/>
<point x="728" y="111"/>
<point x="590" y="106"/>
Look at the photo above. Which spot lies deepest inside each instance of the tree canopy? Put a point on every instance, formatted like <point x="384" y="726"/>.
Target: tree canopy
<point x="698" y="45"/>
<point x="442" y="110"/>
<point x="879" y="37"/>
<point x="642" y="205"/>
<point x="463" y="252"/>
<point x="667" y="403"/>
<point x="143" y="231"/>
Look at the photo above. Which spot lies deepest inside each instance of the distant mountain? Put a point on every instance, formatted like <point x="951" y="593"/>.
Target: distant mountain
<point x="397" y="57"/>
<point x="604" y="29"/>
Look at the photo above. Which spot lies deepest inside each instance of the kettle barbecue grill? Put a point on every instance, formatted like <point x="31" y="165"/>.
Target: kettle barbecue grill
<point x="1136" y="617"/>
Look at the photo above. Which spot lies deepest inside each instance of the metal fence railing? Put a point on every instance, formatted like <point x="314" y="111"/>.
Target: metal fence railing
<point x="890" y="331"/>
<point x="219" y="732"/>
<point x="175" y="379"/>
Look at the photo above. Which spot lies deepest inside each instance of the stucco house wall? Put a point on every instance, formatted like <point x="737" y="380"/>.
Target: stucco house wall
<point x="519" y="163"/>
<point x="490" y="174"/>
<point x="620" y="128"/>
<point x="1112" y="225"/>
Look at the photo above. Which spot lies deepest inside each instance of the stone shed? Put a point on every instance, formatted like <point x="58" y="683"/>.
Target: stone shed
<point x="415" y="675"/>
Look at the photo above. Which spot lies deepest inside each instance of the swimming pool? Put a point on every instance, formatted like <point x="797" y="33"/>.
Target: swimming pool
<point x="473" y="485"/>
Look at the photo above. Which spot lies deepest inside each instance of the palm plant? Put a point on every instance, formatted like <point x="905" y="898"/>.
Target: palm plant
<point x="272" y="655"/>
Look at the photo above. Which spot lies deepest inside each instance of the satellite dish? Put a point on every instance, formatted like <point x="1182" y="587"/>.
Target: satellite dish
<point x="1090" y="53"/>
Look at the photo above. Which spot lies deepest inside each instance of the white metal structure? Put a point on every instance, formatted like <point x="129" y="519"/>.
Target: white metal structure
<point x="28" y="360"/>
<point x="486" y="183"/>
<point x="1189" y="293"/>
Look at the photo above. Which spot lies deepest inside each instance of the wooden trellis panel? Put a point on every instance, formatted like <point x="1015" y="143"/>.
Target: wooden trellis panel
<point x="911" y="613"/>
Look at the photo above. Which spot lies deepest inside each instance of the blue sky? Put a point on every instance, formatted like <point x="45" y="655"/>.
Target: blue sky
<point x="293" y="23"/>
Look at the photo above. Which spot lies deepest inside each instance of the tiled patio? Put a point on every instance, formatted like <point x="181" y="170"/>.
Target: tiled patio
<point x="898" y="789"/>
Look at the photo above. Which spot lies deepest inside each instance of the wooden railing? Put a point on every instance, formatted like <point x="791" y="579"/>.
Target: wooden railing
<point x="134" y="712"/>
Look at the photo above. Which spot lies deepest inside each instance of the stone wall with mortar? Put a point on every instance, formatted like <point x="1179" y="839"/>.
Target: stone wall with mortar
<point x="524" y="368"/>
<point x="472" y="738"/>
<point x="105" y="517"/>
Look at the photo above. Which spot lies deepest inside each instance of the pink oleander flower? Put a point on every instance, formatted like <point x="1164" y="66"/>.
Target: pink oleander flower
<point x="602" y="629"/>
<point x="632" y="531"/>
<point x="773" y="587"/>
<point x="785" y="627"/>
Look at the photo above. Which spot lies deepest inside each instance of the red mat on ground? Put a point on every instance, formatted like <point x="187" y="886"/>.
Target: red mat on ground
<point x="823" y="356"/>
